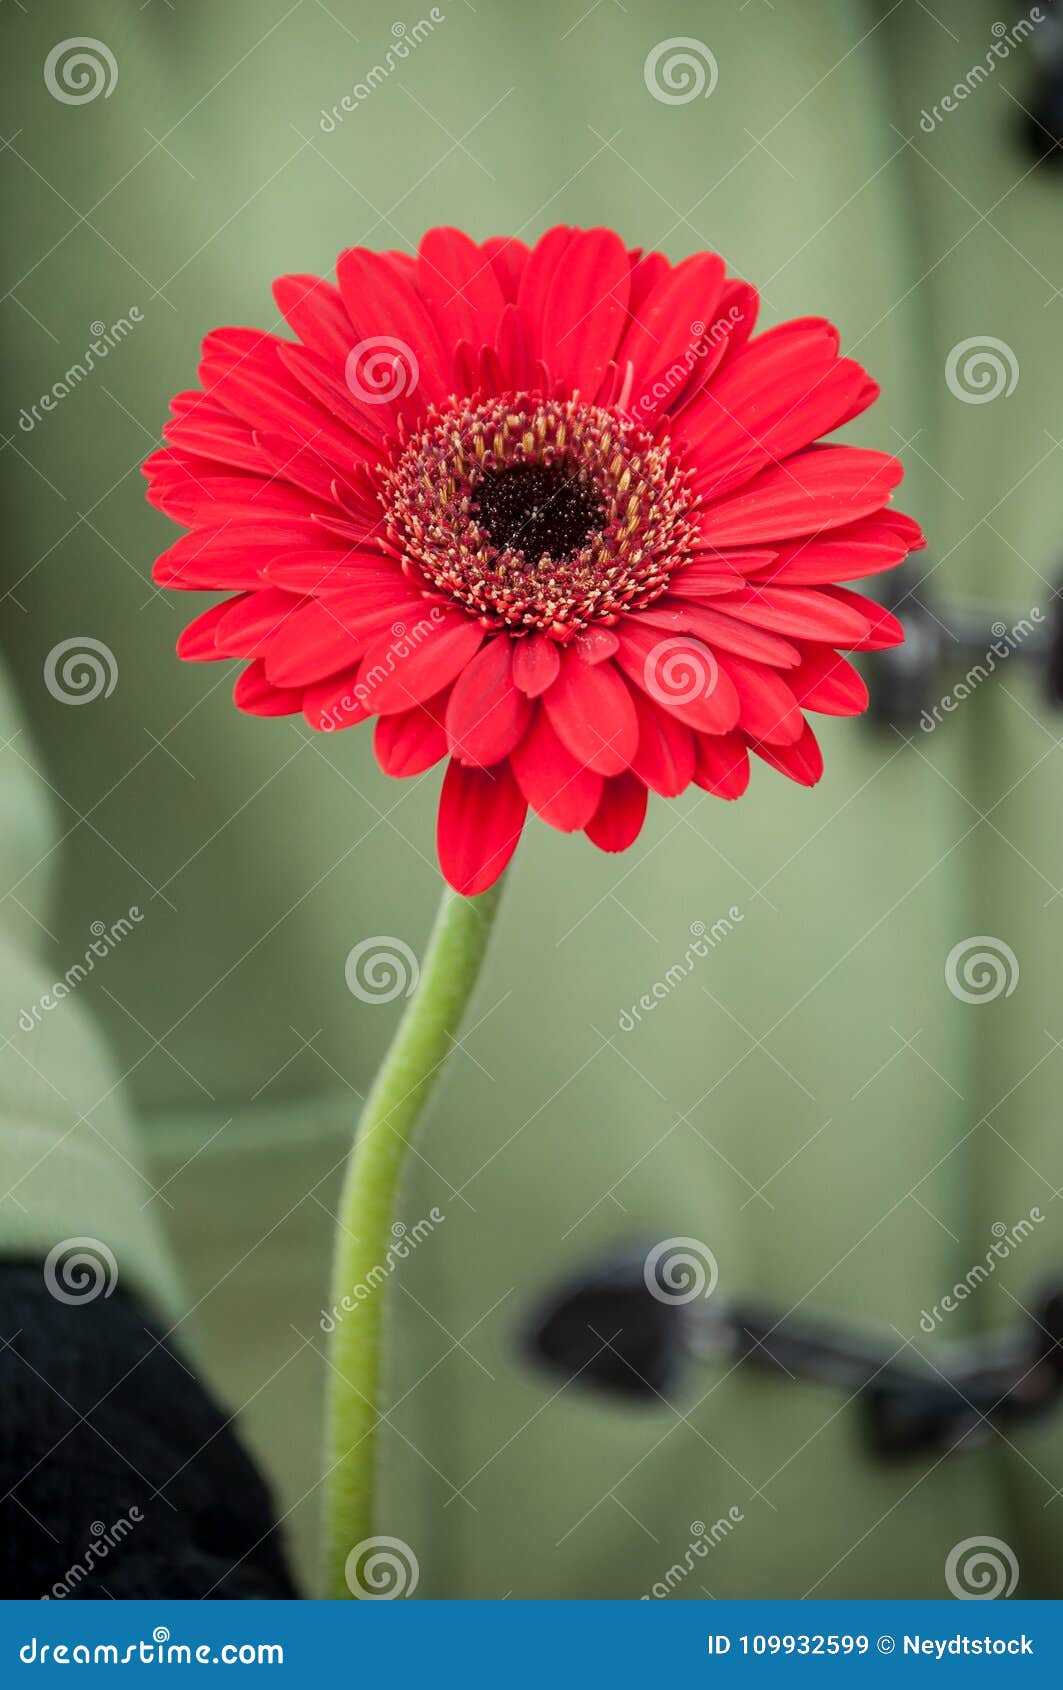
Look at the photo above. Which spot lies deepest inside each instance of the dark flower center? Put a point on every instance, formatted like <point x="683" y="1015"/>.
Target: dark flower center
<point x="538" y="509"/>
<point x="538" y="513"/>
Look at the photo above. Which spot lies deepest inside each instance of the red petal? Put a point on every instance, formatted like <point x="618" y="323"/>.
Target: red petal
<point x="516" y="364"/>
<point x="771" y="378"/>
<point x="536" y="660"/>
<point x="196" y="643"/>
<point x="330" y="487"/>
<point x="198" y="491"/>
<point x="849" y="553"/>
<point x="666" y="755"/>
<point x="317" y="572"/>
<point x="797" y="414"/>
<point x="729" y="632"/>
<point x="335" y="703"/>
<point x="507" y="257"/>
<point x="593" y="714"/>
<point x="211" y="560"/>
<point x="739" y="307"/>
<point x="679" y="674"/>
<point x="617" y="822"/>
<point x="459" y="287"/>
<point x="328" y="634"/>
<point x="822" y="487"/>
<point x="385" y="307"/>
<point x="708" y="576"/>
<point x="885" y="630"/>
<point x="667" y="332"/>
<point x="733" y="323"/>
<point x="807" y="613"/>
<point x="615" y="385"/>
<point x="802" y="761"/>
<point x="558" y="787"/>
<point x="255" y="697"/>
<point x="250" y="623"/>
<point x="723" y="765"/>
<point x="769" y="709"/>
<point x="535" y="282"/>
<point x="827" y="683"/>
<point x="314" y="309"/>
<point x="412" y="740"/>
<point x="647" y="273"/>
<point x="210" y="431"/>
<point x="594" y="645"/>
<point x="585" y="309"/>
<point x="487" y="715"/>
<point x="481" y="814"/>
<point x="355" y="406"/>
<point x="401" y="670"/>
<point x="246" y="372"/>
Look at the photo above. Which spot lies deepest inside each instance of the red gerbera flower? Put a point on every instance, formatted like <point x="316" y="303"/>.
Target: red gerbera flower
<point x="549" y="514"/>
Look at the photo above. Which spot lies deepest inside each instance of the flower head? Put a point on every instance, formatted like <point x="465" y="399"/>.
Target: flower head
<point x="549" y="514"/>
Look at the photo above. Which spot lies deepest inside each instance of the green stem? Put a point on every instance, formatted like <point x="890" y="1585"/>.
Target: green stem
<point x="398" y="1096"/>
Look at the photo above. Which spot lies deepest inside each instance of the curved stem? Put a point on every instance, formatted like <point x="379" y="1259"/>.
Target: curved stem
<point x="367" y="1210"/>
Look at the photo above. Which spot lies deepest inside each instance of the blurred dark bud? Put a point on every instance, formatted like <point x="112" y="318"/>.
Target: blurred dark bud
<point x="620" y="1329"/>
<point x="605" y="1329"/>
<point x="1042" y="120"/>
<point x="952" y="648"/>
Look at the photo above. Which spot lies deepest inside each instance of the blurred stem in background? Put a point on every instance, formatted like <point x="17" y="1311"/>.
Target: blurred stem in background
<point x="399" y="1093"/>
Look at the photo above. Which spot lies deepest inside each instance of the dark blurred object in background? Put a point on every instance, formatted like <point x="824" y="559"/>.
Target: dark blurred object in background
<point x="120" y="1478"/>
<point x="1042" y="122"/>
